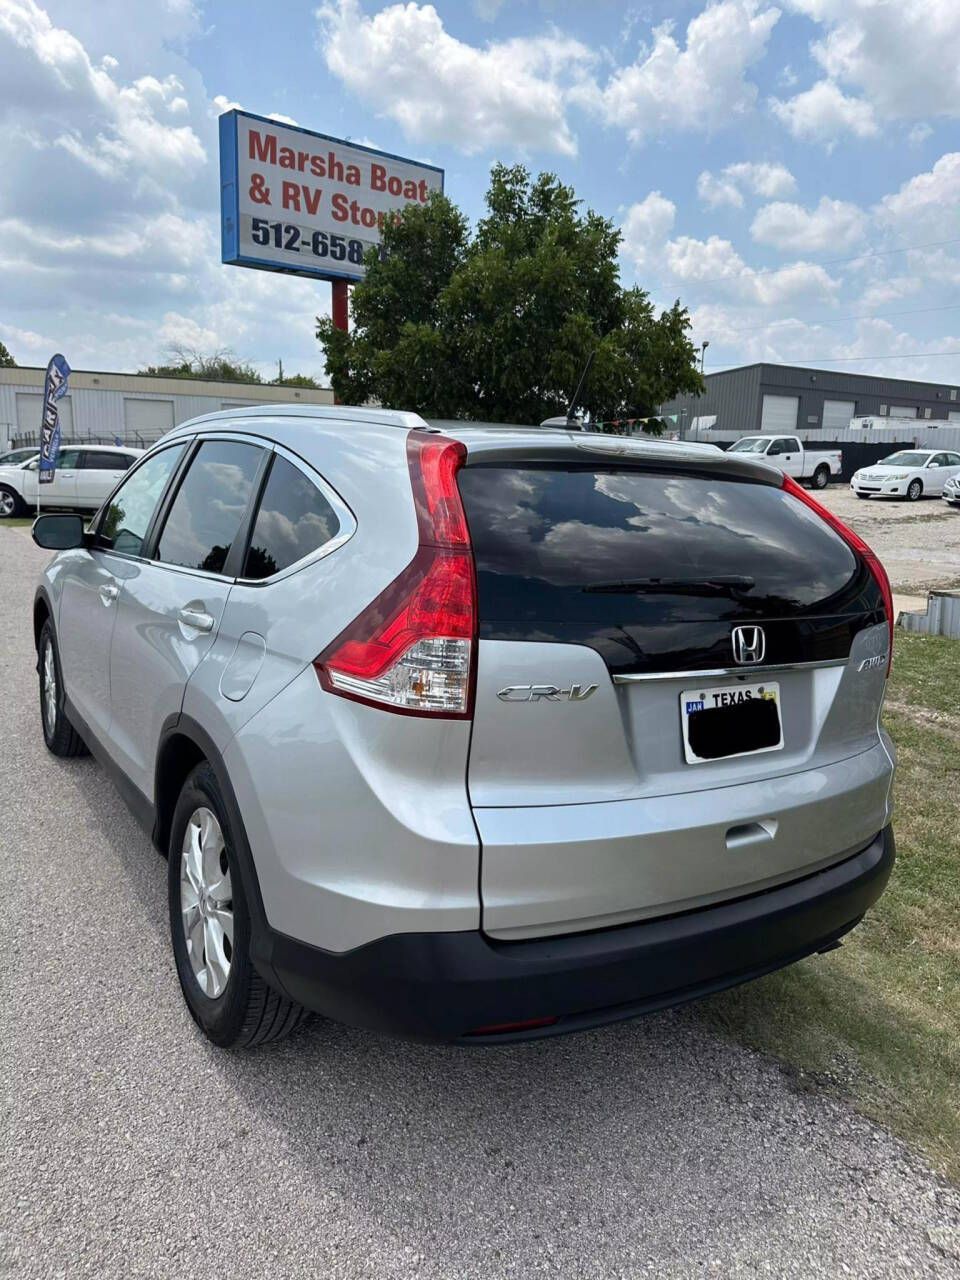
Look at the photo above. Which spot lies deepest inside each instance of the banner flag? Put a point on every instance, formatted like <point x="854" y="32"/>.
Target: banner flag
<point x="54" y="386"/>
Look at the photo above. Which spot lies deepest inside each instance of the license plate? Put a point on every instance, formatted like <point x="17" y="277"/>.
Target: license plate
<point x="733" y="720"/>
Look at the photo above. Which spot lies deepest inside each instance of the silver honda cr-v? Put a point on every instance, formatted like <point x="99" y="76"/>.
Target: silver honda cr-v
<point x="474" y="733"/>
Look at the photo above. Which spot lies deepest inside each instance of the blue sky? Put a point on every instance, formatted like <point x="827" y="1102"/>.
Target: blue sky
<point x="791" y="172"/>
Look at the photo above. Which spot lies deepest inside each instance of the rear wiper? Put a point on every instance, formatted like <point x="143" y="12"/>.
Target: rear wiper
<point x="713" y="584"/>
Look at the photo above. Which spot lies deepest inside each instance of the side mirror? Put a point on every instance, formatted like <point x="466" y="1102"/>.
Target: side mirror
<point x="59" y="532"/>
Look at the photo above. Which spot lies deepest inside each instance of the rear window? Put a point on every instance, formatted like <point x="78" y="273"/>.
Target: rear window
<point x="608" y="557"/>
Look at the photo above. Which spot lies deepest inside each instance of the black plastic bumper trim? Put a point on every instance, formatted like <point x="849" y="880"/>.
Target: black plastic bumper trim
<point x="441" y="986"/>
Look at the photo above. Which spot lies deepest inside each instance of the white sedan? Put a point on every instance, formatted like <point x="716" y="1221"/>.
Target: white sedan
<point x="910" y="474"/>
<point x="84" y="478"/>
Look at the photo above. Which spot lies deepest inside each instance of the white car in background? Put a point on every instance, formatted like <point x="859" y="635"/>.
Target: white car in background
<point x="909" y="473"/>
<point x="951" y="491"/>
<point x="85" y="477"/>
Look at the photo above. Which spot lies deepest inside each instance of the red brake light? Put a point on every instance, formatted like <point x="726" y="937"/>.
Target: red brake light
<point x="412" y="649"/>
<point x="854" y="541"/>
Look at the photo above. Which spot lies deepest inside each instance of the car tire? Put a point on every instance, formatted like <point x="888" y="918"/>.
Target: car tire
<point x="914" y="490"/>
<point x="821" y="477"/>
<point x="58" y="733"/>
<point x="210" y="926"/>
<point x="862" y="496"/>
<point x="11" y="504"/>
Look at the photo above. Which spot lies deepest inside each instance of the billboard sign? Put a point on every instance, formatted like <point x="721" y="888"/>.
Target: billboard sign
<point x="302" y="202"/>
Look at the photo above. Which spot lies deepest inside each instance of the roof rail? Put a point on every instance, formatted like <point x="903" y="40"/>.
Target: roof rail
<point x="334" y="412"/>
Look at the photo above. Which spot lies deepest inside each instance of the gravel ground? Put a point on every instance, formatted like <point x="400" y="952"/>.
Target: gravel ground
<point x="918" y="542"/>
<point x="133" y="1148"/>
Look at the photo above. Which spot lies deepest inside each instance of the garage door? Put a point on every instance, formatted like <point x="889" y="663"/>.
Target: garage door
<point x="149" y="417"/>
<point x="30" y="413"/>
<point x="837" y="414"/>
<point x="779" y="414"/>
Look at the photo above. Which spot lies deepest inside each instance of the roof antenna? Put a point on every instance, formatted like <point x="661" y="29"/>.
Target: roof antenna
<point x="571" y="407"/>
<point x="568" y="422"/>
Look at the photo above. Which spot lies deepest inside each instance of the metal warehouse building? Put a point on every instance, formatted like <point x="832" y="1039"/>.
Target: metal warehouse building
<point x="137" y="408"/>
<point x="818" y="402"/>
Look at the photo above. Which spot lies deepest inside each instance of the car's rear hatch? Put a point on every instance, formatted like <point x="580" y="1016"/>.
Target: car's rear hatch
<point x="609" y="590"/>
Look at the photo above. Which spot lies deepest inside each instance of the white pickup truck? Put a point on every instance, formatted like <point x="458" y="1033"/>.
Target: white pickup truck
<point x="787" y="453"/>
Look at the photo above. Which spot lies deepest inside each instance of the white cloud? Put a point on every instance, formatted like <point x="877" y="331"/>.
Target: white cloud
<point x="928" y="206"/>
<point x="133" y="126"/>
<point x="768" y="180"/>
<point x="881" y="61"/>
<point x="834" y="225"/>
<point x="824" y="113"/>
<point x="405" y="65"/>
<point x="919" y="134"/>
<point x="119" y="250"/>
<point x="715" y="191"/>
<point x="700" y="85"/>
<point x="715" y="262"/>
<point x="518" y="93"/>
<point x="646" y="227"/>
<point x="902" y="57"/>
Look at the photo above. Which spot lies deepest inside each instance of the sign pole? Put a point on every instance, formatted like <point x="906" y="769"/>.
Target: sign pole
<point x="339" y="304"/>
<point x="340" y="311"/>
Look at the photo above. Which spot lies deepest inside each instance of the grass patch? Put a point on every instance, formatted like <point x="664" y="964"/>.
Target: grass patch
<point x="16" y="522"/>
<point x="880" y="1018"/>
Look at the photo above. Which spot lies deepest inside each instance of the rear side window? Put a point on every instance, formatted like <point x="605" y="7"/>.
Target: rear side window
<point x="208" y="508"/>
<point x="94" y="460"/>
<point x="293" y="521"/>
<point x="130" y="510"/>
<point x="585" y="553"/>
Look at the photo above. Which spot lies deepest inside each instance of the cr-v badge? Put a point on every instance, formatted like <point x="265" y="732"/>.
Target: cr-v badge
<point x="545" y="693"/>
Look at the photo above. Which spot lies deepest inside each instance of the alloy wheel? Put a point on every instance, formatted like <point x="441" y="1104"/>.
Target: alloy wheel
<point x="7" y="502"/>
<point x="206" y="902"/>
<point x="49" y="690"/>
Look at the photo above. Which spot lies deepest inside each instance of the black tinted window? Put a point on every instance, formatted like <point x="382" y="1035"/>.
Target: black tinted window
<point x="294" y="520"/>
<point x="634" y="562"/>
<point x="209" y="506"/>
<point x="97" y="460"/>
<point x="131" y="508"/>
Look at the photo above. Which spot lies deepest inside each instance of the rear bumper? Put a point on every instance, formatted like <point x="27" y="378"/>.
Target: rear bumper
<point x="442" y="986"/>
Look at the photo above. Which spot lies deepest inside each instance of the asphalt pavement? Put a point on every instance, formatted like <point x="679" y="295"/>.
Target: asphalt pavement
<point x="131" y="1147"/>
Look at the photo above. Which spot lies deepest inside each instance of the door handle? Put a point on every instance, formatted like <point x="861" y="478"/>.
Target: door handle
<point x="66" y="475"/>
<point x="109" y="593"/>
<point x="196" y="618"/>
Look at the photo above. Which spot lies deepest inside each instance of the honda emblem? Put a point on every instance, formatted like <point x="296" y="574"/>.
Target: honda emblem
<point x="749" y="645"/>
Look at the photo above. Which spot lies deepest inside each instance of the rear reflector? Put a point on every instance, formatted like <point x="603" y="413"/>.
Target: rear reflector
<point x="412" y="649"/>
<point x="857" y="544"/>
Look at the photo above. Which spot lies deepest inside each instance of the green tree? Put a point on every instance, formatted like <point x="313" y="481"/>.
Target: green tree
<point x="6" y="359"/>
<point x="218" y="366"/>
<point x="293" y="379"/>
<point x="498" y="326"/>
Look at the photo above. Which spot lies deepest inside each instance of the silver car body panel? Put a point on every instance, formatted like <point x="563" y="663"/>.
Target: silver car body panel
<point x="533" y="819"/>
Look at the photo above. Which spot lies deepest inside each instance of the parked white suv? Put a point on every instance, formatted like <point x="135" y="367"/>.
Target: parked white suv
<point x="84" y="477"/>
<point x="474" y="733"/>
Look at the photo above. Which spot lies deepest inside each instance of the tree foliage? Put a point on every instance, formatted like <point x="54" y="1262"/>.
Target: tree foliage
<point x="217" y="366"/>
<point x="498" y="326"/>
<point x="6" y="359"/>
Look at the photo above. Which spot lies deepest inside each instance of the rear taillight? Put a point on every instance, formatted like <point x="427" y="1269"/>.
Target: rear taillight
<point x="854" y="541"/>
<point x="412" y="649"/>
